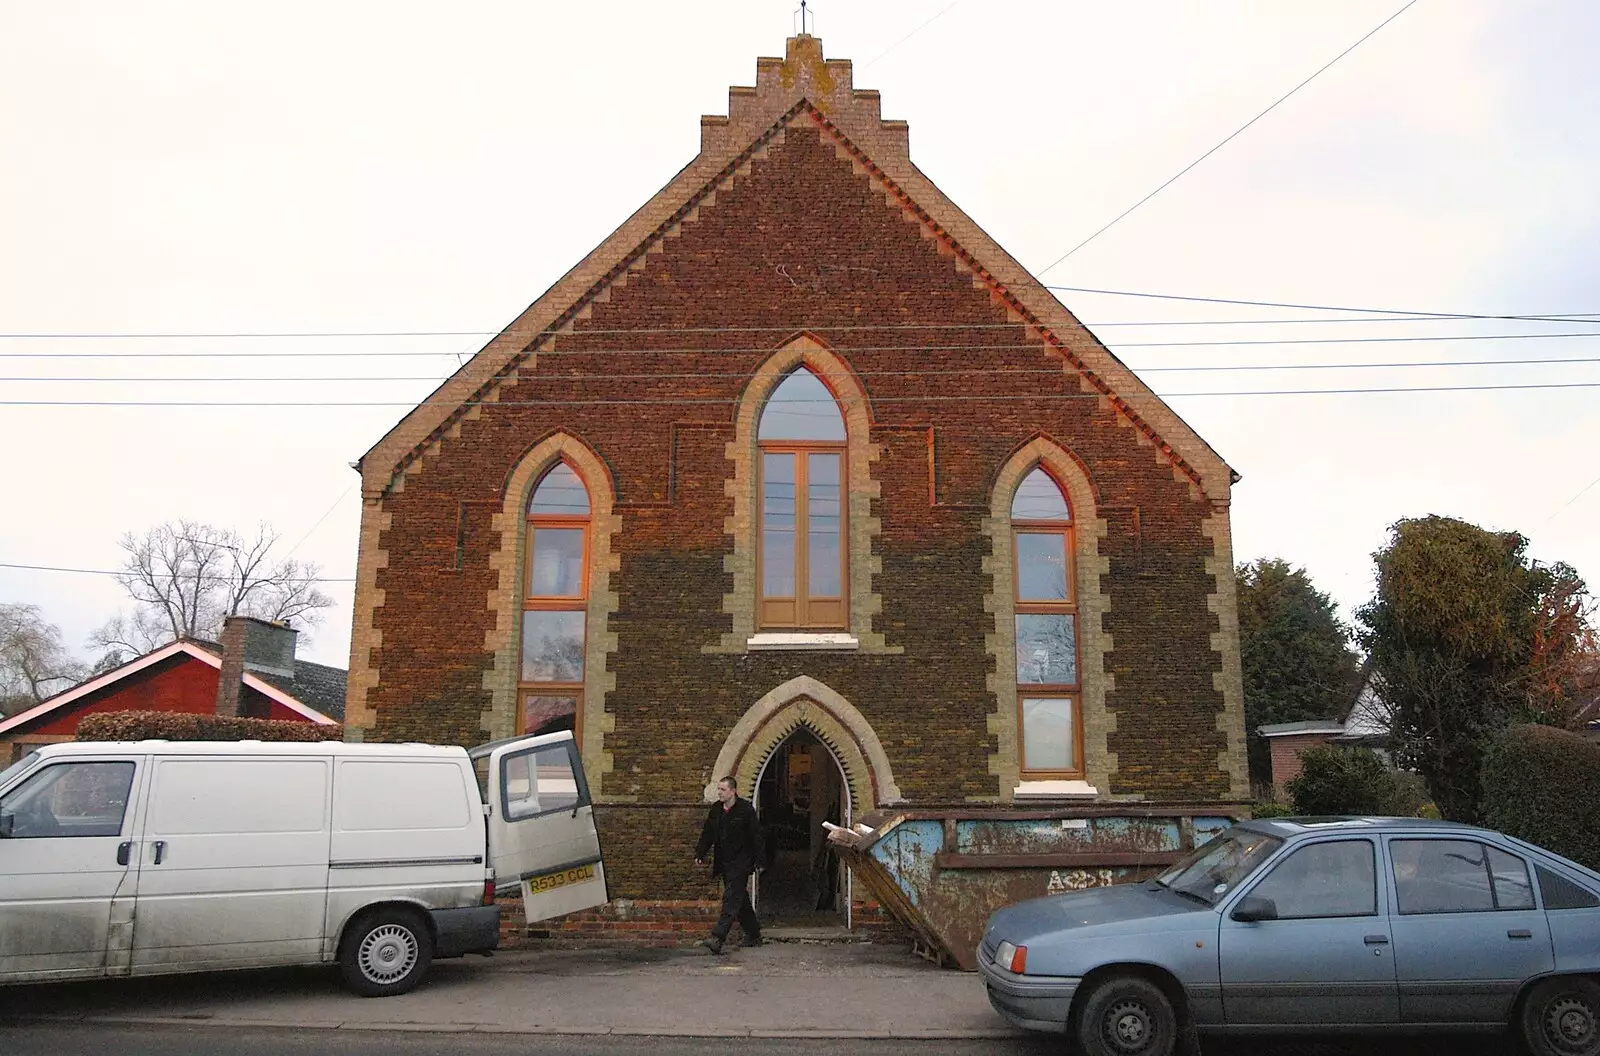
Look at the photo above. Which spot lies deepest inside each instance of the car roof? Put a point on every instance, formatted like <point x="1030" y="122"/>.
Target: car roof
<point x="1286" y="827"/>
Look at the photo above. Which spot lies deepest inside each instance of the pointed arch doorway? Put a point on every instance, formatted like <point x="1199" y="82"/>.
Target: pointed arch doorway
<point x="800" y="785"/>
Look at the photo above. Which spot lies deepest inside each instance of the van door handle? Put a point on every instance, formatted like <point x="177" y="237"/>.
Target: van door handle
<point x="1519" y="933"/>
<point x="123" y="850"/>
<point x="161" y="850"/>
<point x="1376" y="940"/>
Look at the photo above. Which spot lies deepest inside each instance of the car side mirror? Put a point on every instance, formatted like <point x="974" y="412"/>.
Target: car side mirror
<point x="6" y="823"/>
<point x="1252" y="908"/>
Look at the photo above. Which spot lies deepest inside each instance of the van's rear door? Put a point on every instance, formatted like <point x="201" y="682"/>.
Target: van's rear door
<point x="541" y="826"/>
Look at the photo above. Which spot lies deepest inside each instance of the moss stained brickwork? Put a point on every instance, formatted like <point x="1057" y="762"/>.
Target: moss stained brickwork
<point x="802" y="233"/>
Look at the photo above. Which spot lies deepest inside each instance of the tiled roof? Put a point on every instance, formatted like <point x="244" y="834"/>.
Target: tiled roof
<point x="314" y="685"/>
<point x="317" y="686"/>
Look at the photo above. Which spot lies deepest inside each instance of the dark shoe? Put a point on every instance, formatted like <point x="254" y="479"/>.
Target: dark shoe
<point x="752" y="940"/>
<point x="713" y="944"/>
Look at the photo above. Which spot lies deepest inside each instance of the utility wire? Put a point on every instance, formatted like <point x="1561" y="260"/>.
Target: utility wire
<point x="1181" y="172"/>
<point x="1564" y="506"/>
<point x="156" y="575"/>
<point x="1020" y="345"/>
<point x="713" y="401"/>
<point x="908" y="36"/>
<point x="1541" y="317"/>
<point x="978" y="371"/>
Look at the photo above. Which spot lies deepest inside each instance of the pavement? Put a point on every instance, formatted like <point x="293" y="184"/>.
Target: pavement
<point x="780" y="990"/>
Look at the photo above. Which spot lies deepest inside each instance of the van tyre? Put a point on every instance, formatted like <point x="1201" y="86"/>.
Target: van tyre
<point x="386" y="953"/>
<point x="1127" y="1015"/>
<point x="1561" y="1017"/>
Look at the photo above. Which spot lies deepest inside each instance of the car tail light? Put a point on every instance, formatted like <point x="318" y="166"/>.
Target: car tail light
<point x="1012" y="958"/>
<point x="488" y="892"/>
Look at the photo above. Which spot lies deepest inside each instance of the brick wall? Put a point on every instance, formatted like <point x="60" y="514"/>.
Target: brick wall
<point x="799" y="241"/>
<point x="1286" y="752"/>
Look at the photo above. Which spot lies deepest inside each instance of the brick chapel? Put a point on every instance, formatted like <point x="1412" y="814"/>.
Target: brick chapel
<point x="799" y="477"/>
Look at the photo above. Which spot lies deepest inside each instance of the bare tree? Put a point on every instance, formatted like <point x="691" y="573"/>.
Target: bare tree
<point x="34" y="663"/>
<point x="184" y="577"/>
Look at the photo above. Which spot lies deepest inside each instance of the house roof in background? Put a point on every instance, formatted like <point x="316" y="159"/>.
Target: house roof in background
<point x="1286" y="729"/>
<point x="297" y="699"/>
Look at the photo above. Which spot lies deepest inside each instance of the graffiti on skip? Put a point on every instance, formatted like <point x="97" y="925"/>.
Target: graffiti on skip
<point x="1077" y="879"/>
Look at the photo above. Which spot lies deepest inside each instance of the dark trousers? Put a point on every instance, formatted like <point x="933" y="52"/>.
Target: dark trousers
<point x="736" y="904"/>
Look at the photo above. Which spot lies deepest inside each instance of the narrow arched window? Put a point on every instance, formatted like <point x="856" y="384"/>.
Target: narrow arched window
<point x="801" y="558"/>
<point x="1050" y="719"/>
<point x="555" y="600"/>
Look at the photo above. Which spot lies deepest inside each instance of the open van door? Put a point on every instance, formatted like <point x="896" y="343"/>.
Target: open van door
<point x="541" y="825"/>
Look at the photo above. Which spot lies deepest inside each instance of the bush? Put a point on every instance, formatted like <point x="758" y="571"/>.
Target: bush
<point x="1268" y="809"/>
<point x="185" y="726"/>
<point x="1542" y="785"/>
<point x="1346" y="781"/>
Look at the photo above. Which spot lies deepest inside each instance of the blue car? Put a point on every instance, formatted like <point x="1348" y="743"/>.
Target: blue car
<point x="1313" y="925"/>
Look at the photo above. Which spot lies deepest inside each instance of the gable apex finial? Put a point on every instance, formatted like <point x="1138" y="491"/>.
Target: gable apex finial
<point x="806" y="18"/>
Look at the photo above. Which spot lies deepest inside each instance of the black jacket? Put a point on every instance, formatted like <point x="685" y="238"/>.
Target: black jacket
<point x="735" y="834"/>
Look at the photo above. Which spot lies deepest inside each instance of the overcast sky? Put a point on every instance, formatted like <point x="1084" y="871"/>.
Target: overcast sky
<point x="174" y="168"/>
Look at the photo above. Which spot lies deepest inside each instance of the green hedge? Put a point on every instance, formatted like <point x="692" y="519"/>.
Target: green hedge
<point x="1542" y="785"/>
<point x="184" y="726"/>
<point x="1336" y="780"/>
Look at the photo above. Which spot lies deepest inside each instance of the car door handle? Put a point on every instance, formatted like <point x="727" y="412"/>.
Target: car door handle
<point x="1376" y="940"/>
<point x="161" y="850"/>
<point x="124" y="849"/>
<point x="1519" y="933"/>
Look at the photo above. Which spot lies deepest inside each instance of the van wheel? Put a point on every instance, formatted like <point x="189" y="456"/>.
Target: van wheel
<point x="385" y="953"/>
<point x="1127" y="1016"/>
<point x="1561" y="1017"/>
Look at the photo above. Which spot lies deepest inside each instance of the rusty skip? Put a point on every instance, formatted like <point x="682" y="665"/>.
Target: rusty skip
<point x="941" y="873"/>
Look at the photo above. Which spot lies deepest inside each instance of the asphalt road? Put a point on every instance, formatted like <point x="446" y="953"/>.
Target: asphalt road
<point x="147" y="1040"/>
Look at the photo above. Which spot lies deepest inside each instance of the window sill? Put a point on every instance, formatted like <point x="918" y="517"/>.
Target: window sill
<point x="798" y="640"/>
<point x="1054" y="790"/>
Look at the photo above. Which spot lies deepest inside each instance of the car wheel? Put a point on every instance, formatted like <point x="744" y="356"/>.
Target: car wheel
<point x="1561" y="1017"/>
<point x="385" y="953"/>
<point x="1127" y="1016"/>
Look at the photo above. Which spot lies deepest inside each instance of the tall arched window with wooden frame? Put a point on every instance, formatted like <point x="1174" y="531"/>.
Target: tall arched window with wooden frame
<point x="1050" y="719"/>
<point x="555" y="592"/>
<point x="802" y="559"/>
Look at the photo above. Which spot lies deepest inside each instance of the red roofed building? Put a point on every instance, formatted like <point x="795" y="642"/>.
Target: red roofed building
<point x="184" y="676"/>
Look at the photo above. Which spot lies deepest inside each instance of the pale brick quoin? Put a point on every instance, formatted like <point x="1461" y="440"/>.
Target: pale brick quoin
<point x="802" y="236"/>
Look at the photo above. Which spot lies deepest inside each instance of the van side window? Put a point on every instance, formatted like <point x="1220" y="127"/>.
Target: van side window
<point x="67" y="800"/>
<point x="540" y="781"/>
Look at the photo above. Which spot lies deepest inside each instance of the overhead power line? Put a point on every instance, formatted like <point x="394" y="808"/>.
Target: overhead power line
<point x="964" y="372"/>
<point x="767" y="350"/>
<point x="716" y="401"/>
<point x="1395" y="314"/>
<point x="1183" y="171"/>
<point x="156" y="575"/>
<point x="1191" y="299"/>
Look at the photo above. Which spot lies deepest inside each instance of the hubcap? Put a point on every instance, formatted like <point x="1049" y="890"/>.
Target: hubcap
<point x="388" y="953"/>
<point x="1569" y="1023"/>
<point x="1127" y="1027"/>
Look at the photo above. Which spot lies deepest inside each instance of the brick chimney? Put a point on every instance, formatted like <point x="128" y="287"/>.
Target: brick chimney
<point x="250" y="644"/>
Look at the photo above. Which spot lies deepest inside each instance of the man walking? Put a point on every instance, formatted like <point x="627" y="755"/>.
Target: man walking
<point x="733" y="832"/>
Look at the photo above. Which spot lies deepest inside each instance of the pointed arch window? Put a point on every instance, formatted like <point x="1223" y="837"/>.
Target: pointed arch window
<point x="801" y="557"/>
<point x="555" y="593"/>
<point x="1050" y="718"/>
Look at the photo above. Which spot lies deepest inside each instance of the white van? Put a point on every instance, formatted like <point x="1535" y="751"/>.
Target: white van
<point x="151" y="857"/>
